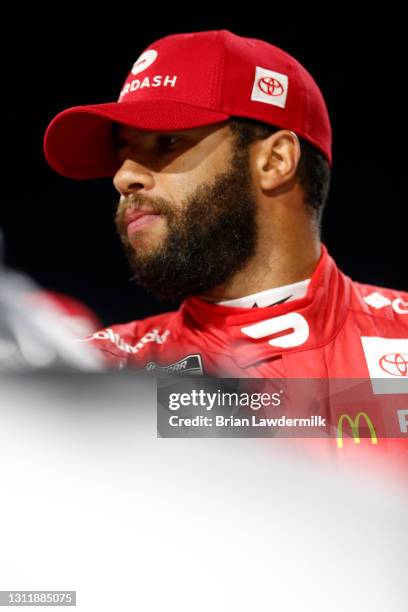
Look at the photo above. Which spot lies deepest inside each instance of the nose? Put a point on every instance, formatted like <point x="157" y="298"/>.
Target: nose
<point x="132" y="177"/>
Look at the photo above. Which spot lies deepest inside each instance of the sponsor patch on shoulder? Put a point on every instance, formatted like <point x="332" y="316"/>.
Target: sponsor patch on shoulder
<point x="191" y="365"/>
<point x="378" y="300"/>
<point x="108" y="334"/>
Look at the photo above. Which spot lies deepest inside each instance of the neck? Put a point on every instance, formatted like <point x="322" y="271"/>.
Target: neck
<point x="288" y="262"/>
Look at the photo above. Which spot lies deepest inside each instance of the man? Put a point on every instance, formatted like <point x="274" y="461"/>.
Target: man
<point x="220" y="149"/>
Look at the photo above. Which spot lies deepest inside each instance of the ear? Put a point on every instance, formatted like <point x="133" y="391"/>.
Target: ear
<point x="277" y="158"/>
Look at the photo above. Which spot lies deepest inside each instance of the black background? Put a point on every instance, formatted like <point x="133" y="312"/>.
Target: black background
<point x="61" y="231"/>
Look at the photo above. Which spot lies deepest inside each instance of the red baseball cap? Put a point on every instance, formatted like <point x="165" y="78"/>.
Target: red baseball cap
<point x="184" y="81"/>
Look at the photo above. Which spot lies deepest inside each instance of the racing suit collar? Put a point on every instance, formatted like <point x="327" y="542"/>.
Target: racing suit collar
<point x="253" y="334"/>
<point x="270" y="297"/>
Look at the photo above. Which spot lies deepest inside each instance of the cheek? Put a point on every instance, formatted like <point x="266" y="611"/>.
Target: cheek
<point x="182" y="179"/>
<point x="175" y="189"/>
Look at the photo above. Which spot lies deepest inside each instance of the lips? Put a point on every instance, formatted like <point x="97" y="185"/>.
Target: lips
<point x="138" y="219"/>
<point x="133" y="215"/>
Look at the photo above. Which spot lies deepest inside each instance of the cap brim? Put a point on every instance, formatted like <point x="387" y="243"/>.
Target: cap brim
<point x="78" y="142"/>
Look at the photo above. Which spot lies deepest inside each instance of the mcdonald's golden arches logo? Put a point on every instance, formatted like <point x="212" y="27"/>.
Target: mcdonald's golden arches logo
<point x="355" y="428"/>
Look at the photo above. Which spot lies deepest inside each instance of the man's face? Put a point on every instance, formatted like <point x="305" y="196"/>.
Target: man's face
<point x="200" y="188"/>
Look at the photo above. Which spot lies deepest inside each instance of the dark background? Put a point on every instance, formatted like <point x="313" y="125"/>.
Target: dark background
<point x="61" y="231"/>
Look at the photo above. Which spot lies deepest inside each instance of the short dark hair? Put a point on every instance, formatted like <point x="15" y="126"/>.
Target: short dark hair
<point x="313" y="171"/>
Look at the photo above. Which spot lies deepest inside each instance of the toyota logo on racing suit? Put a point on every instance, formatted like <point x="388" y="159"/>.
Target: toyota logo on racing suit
<point x="395" y="364"/>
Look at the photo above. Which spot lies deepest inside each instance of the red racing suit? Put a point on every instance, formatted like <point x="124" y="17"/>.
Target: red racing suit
<point x="340" y="329"/>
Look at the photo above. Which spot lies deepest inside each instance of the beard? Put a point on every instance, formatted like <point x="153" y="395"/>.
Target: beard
<point x="209" y="238"/>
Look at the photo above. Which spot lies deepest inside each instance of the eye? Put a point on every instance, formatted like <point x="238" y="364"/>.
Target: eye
<point x="168" y="140"/>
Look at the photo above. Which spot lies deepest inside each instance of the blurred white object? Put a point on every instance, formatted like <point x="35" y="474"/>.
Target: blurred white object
<point x="93" y="501"/>
<point x="36" y="334"/>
